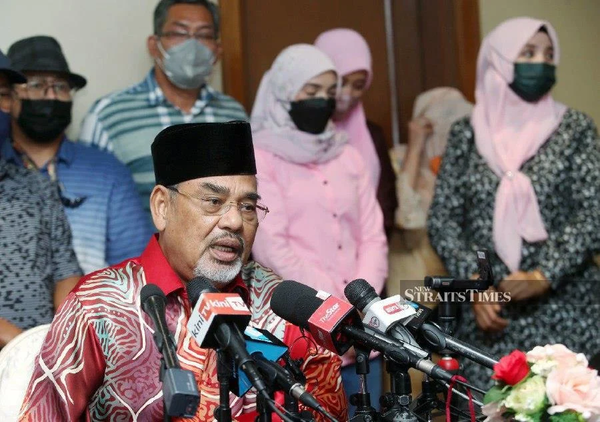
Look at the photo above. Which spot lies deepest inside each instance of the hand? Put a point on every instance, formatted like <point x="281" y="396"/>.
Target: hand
<point x="487" y="315"/>
<point x="8" y="331"/>
<point x="418" y="130"/>
<point x="524" y="285"/>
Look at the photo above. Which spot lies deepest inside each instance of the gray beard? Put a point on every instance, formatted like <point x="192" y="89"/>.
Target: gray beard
<point x="220" y="277"/>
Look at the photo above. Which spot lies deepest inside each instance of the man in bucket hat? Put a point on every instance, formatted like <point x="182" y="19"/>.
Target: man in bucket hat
<point x="97" y="191"/>
<point x="38" y="267"/>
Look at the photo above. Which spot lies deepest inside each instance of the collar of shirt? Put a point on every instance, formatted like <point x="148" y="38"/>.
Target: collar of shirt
<point x="157" y="97"/>
<point x="159" y="272"/>
<point x="65" y="154"/>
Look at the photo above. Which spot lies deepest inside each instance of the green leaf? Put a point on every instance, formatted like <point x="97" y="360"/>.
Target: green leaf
<point x="566" y="416"/>
<point x="537" y="416"/>
<point x="495" y="394"/>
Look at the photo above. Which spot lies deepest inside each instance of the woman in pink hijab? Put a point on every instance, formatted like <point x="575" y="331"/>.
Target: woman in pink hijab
<point x="352" y="58"/>
<point x="521" y="178"/>
<point x="325" y="228"/>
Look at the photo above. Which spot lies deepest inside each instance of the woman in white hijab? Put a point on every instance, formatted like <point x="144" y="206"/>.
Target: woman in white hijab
<point x="325" y="227"/>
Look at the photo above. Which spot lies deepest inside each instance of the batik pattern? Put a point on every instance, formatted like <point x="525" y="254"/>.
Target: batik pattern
<point x="99" y="361"/>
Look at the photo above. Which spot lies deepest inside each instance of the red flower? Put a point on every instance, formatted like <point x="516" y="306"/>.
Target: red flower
<point x="511" y="369"/>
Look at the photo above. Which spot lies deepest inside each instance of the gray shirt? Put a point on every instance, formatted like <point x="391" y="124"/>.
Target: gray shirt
<point x="35" y="246"/>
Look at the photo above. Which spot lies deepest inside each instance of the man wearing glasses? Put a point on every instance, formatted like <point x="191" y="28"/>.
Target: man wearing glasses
<point x="185" y="46"/>
<point x="96" y="190"/>
<point x="99" y="361"/>
<point x="38" y="267"/>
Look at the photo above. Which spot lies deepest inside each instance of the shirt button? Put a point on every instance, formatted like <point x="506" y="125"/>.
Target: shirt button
<point x="325" y="182"/>
<point x="340" y="247"/>
<point x="334" y="215"/>
<point x="345" y="281"/>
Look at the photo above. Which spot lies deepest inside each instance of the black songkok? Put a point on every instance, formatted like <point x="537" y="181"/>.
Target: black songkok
<point x="195" y="150"/>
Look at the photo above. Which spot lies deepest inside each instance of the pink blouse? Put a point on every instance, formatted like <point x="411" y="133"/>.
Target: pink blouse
<point x="325" y="227"/>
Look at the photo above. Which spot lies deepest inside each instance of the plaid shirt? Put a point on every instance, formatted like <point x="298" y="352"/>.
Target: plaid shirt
<point x="126" y="123"/>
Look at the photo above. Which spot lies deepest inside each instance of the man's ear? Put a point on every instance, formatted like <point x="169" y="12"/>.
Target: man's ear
<point x="160" y="203"/>
<point x="6" y="103"/>
<point x="218" y="52"/>
<point x="152" y="44"/>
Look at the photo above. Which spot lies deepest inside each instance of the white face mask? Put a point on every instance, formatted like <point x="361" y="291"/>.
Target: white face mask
<point x="188" y="64"/>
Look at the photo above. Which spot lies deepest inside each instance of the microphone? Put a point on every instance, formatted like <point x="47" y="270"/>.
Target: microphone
<point x="335" y="325"/>
<point x="216" y="322"/>
<point x="387" y="316"/>
<point x="266" y="349"/>
<point x="287" y="382"/>
<point x="263" y="342"/>
<point x="438" y="340"/>
<point x="450" y="284"/>
<point x="364" y="295"/>
<point x="180" y="392"/>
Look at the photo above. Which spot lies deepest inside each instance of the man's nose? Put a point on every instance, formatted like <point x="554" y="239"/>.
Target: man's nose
<point x="232" y="219"/>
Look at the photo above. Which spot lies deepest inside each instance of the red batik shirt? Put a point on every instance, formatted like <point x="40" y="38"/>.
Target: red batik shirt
<point x="99" y="361"/>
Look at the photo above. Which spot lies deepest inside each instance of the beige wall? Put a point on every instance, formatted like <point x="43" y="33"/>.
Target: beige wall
<point x="578" y="25"/>
<point x="104" y="40"/>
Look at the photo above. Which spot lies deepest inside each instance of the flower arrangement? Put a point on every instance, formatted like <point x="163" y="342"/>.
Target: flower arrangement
<point x="549" y="383"/>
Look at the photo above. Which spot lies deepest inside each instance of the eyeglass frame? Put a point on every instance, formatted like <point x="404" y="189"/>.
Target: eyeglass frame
<point x="225" y="207"/>
<point x="173" y="36"/>
<point x="46" y="86"/>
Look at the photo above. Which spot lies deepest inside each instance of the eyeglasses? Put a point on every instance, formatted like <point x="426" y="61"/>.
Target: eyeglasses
<point x="179" y="36"/>
<point x="37" y="88"/>
<point x="216" y="207"/>
<point x="68" y="200"/>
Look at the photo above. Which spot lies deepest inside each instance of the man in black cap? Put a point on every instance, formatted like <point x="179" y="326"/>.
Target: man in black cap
<point x="97" y="191"/>
<point x="99" y="359"/>
<point x="38" y="267"/>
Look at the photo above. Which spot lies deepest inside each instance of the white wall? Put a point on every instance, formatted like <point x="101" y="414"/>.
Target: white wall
<point x="103" y="40"/>
<point x="578" y="25"/>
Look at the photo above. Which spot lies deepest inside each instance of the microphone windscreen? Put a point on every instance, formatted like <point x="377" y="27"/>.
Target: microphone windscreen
<point x="295" y="302"/>
<point x="359" y="293"/>
<point x="198" y="285"/>
<point x="151" y="290"/>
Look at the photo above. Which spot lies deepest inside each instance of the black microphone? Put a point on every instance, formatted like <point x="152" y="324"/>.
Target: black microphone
<point x="287" y="382"/>
<point x="180" y="392"/>
<point x="215" y="323"/>
<point x="450" y="284"/>
<point x="387" y="316"/>
<point x="335" y="325"/>
<point x="364" y="295"/>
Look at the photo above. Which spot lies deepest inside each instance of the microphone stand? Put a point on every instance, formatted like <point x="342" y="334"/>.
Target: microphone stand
<point x="395" y="405"/>
<point x="362" y="400"/>
<point x="223" y="412"/>
<point x="447" y="310"/>
<point x="264" y="412"/>
<point x="161" y="377"/>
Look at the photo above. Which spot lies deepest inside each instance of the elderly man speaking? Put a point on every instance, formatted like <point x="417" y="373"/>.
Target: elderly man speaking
<point x="99" y="362"/>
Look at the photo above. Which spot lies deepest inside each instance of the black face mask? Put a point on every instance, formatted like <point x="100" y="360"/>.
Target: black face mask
<point x="533" y="80"/>
<point x="44" y="120"/>
<point x="312" y="115"/>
